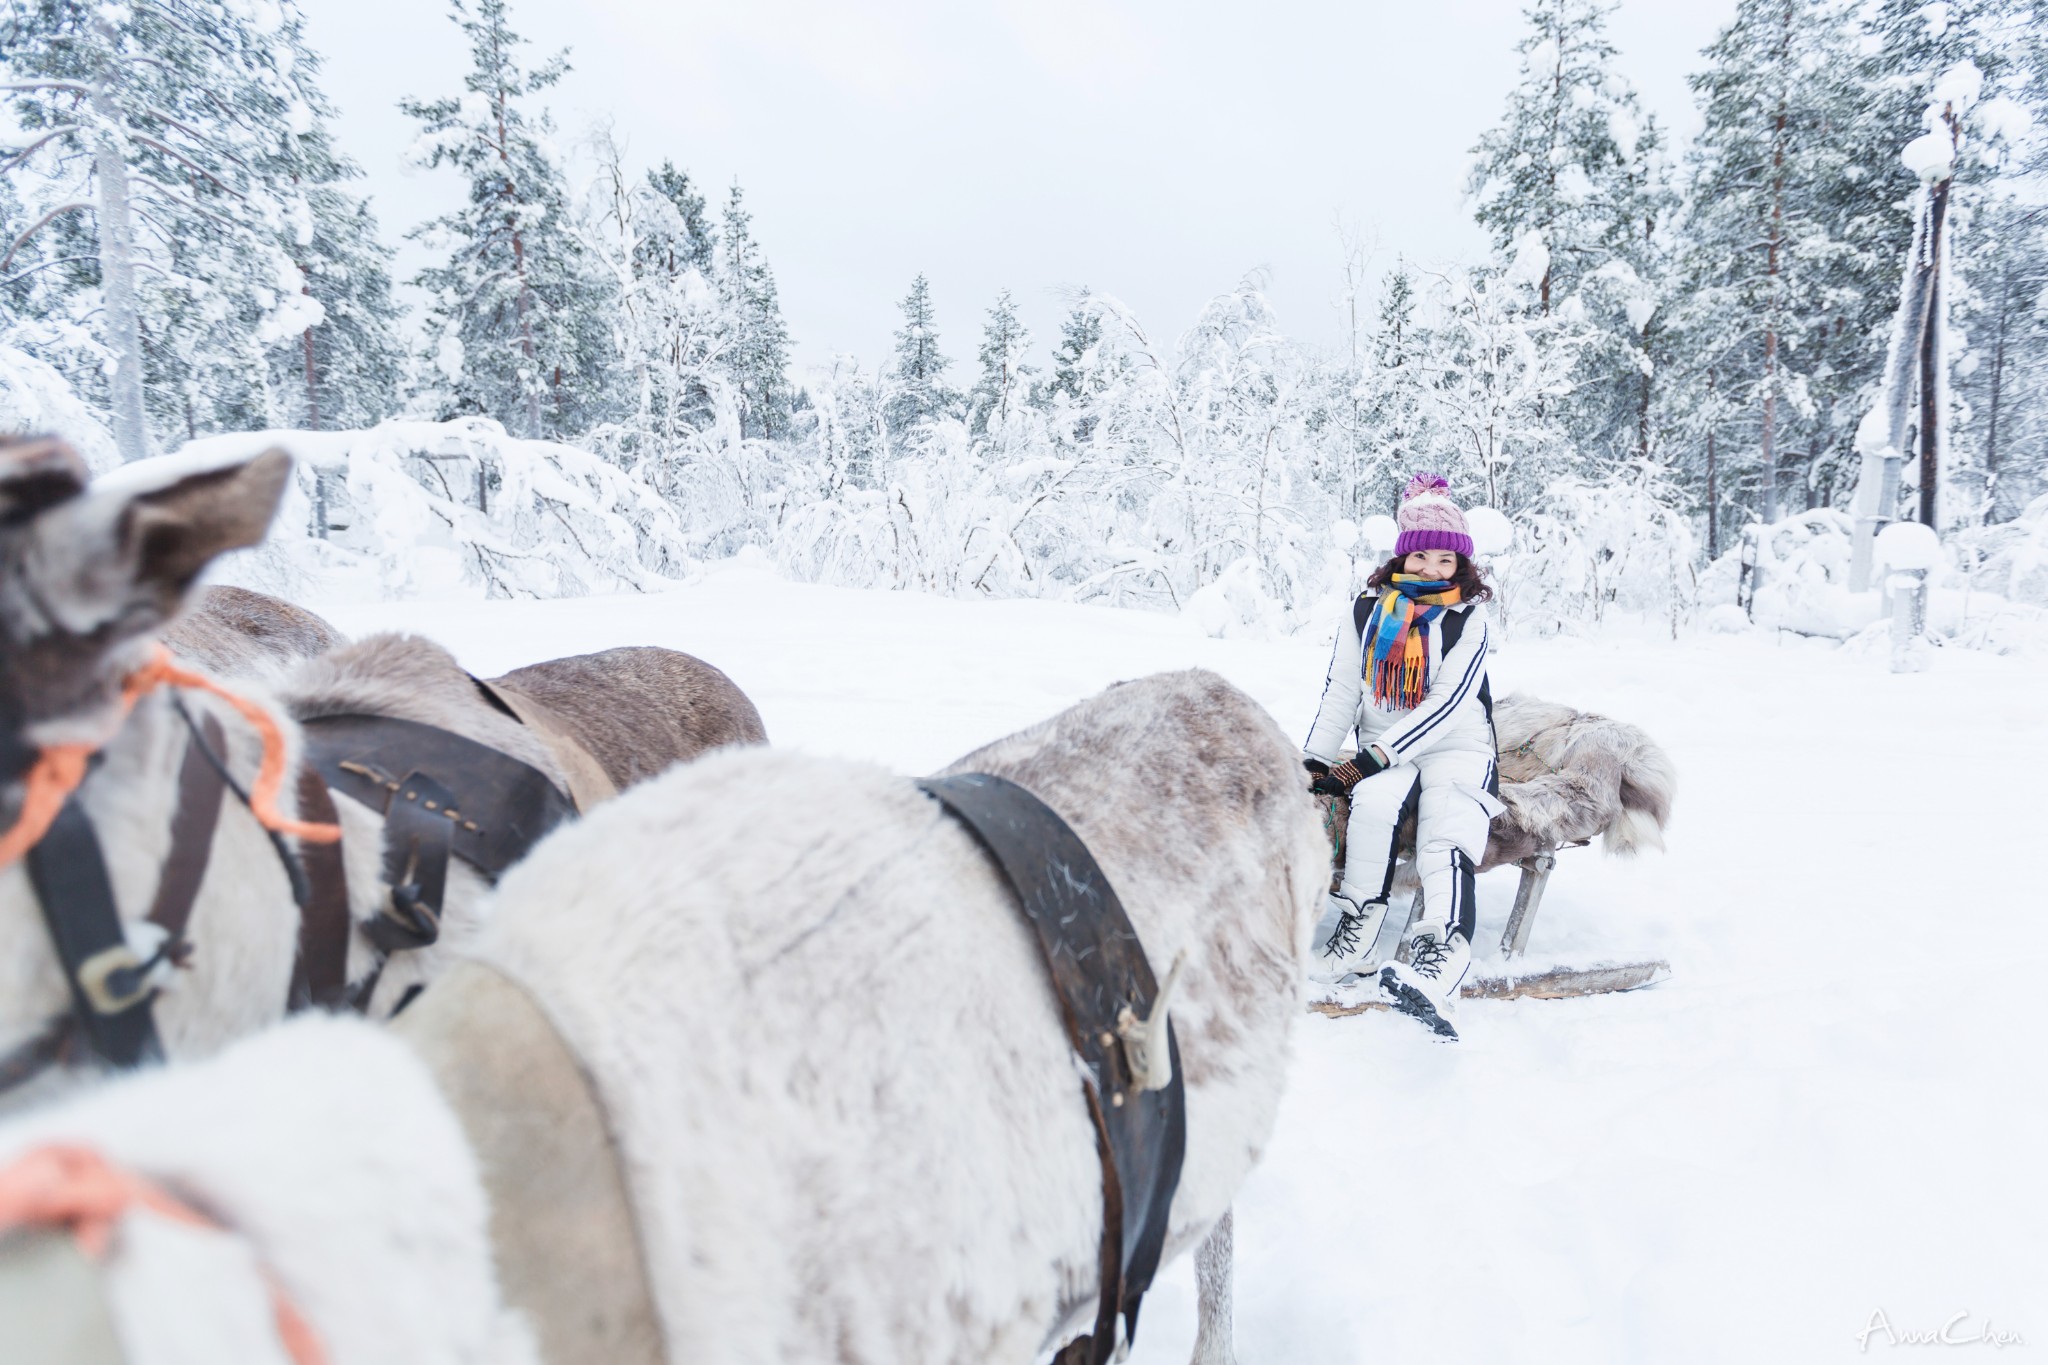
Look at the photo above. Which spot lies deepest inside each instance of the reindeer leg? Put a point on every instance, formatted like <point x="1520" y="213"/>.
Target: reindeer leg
<point x="1213" y="1258"/>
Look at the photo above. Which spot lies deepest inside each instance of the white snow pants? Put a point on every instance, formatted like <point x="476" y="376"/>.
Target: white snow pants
<point x="1447" y="790"/>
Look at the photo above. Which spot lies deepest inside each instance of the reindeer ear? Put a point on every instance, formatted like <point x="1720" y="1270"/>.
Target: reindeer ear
<point x="36" y="473"/>
<point x="174" y="532"/>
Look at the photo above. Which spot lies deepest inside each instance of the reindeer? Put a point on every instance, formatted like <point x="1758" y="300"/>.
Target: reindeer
<point x="229" y="631"/>
<point x="758" y="1063"/>
<point x="92" y="707"/>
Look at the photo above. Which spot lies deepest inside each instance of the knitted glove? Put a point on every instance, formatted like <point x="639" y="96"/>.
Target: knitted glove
<point x="1315" y="766"/>
<point x="1339" y="781"/>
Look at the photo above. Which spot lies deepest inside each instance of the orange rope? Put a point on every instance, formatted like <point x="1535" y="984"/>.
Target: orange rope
<point x="75" y="1188"/>
<point x="61" y="767"/>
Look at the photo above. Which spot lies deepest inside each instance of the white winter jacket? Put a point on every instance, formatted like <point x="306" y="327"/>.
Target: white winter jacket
<point x="1455" y="712"/>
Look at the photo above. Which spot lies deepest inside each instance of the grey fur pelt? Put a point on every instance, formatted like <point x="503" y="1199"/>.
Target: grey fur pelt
<point x="1568" y="775"/>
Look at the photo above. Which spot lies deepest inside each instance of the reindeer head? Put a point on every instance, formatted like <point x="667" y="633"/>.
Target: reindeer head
<point x="89" y="576"/>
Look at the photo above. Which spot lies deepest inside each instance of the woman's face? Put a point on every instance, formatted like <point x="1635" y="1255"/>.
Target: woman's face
<point x="1431" y="563"/>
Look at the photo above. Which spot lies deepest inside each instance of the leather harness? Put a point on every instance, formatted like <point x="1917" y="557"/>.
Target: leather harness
<point x="410" y="773"/>
<point x="1103" y="979"/>
<point x="506" y="807"/>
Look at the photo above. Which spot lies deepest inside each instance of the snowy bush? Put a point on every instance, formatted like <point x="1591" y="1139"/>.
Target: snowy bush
<point x="2010" y="558"/>
<point x="415" y="507"/>
<point x="1589" y="548"/>
<point x="35" y="399"/>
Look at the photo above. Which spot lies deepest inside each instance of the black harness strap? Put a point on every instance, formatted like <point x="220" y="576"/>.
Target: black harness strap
<point x="109" y="984"/>
<point x="320" y="972"/>
<point x="1098" y="968"/>
<point x="442" y="795"/>
<point x="201" y="787"/>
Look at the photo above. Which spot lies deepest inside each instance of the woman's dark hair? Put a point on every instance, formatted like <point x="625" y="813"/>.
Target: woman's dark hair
<point x="1470" y="583"/>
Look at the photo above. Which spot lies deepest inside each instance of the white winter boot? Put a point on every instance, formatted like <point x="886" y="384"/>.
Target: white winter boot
<point x="1426" y="985"/>
<point x="1349" y="949"/>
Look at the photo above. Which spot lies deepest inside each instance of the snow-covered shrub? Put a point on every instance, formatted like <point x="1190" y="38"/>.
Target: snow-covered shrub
<point x="2010" y="558"/>
<point x="412" y="507"/>
<point x="36" y="399"/>
<point x="1793" y="575"/>
<point x="1588" y="548"/>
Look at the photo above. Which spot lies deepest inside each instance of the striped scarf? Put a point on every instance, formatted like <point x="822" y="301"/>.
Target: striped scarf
<point x="1397" y="643"/>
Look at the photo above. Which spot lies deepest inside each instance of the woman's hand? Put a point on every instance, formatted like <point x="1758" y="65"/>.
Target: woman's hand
<point x="1339" y="781"/>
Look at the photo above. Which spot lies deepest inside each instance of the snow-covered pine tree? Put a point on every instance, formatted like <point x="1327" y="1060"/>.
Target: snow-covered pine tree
<point x="2006" y="391"/>
<point x="1553" y="163"/>
<point x="1396" y="396"/>
<point x="1576" y="162"/>
<point x="687" y="241"/>
<point x="156" y="118"/>
<point x="1004" y="384"/>
<point x="1497" y="364"/>
<point x="1777" y="275"/>
<point x="917" y="379"/>
<point x="758" y="351"/>
<point x="346" y="371"/>
<point x="519" y="327"/>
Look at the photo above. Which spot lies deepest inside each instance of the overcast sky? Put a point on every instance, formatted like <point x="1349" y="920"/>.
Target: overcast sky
<point x="1156" y="151"/>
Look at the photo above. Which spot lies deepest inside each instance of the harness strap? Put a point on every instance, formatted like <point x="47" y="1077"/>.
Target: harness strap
<point x="442" y="795"/>
<point x="109" y="983"/>
<point x="200" y="790"/>
<point x="1099" y="971"/>
<point x="504" y="806"/>
<point x="320" y="973"/>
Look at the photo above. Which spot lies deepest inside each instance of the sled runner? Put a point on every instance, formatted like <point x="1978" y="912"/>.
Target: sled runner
<point x="1566" y="777"/>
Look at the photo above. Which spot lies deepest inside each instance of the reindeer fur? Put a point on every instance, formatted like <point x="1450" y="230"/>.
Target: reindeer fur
<point x="1567" y="775"/>
<point x="232" y="631"/>
<point x="340" y="1170"/>
<point x="834" y="1070"/>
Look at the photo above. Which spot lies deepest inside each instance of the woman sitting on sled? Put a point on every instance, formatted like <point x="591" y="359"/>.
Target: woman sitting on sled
<point x="1409" y="675"/>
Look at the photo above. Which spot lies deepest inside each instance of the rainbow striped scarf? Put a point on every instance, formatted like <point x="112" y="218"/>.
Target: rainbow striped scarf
<point x="1397" y="643"/>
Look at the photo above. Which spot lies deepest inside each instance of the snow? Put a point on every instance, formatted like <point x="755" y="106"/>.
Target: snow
<point x="1908" y="545"/>
<point x="1492" y="533"/>
<point x="1379" y="532"/>
<point x="1929" y="156"/>
<point x="1960" y="86"/>
<point x="1531" y="259"/>
<point x="1832" y="1109"/>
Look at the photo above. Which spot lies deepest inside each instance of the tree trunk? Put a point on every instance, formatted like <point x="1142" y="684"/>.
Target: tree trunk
<point x="1771" y="269"/>
<point x="117" y="283"/>
<point x="526" y="348"/>
<point x="1713" y="491"/>
<point x="312" y="390"/>
<point x="1931" y="345"/>
<point x="1997" y="391"/>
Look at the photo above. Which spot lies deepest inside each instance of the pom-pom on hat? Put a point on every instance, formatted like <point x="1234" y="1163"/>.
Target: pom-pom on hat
<point x="1429" y="520"/>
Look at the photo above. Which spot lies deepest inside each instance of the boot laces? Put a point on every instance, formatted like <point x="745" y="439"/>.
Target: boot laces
<point x="1344" y="938"/>
<point x="1426" y="955"/>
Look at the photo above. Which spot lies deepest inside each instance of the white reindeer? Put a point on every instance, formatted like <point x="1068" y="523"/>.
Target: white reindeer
<point x="758" y="1063"/>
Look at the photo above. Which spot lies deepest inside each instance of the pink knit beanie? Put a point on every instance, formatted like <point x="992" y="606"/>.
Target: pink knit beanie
<point x="1430" y="520"/>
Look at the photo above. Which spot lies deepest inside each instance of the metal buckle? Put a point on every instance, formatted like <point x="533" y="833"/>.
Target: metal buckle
<point x="113" y="980"/>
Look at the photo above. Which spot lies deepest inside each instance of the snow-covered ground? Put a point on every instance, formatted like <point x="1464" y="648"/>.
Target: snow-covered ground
<point x="1836" y="1107"/>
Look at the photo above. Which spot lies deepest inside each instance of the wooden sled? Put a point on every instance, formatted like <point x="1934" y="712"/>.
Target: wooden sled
<point x="1549" y="983"/>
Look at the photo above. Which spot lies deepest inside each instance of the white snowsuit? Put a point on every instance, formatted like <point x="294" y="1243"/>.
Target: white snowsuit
<point x="1441" y="755"/>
